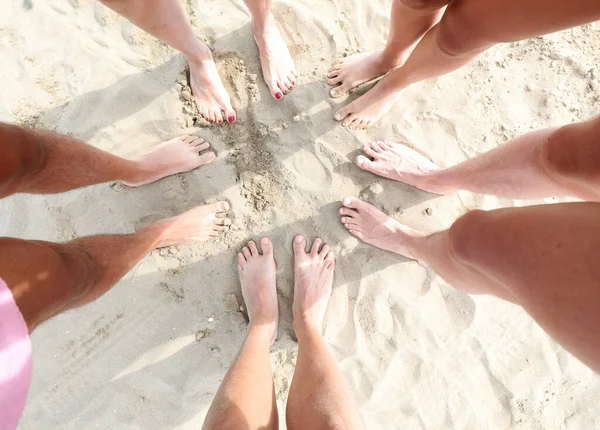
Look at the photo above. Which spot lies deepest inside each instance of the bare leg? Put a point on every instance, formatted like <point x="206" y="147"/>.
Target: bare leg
<point x="35" y="161"/>
<point x="319" y="398"/>
<point x="467" y="28"/>
<point x="526" y="255"/>
<point x="545" y="163"/>
<point x="246" y="397"/>
<point x="49" y="278"/>
<point x="278" y="67"/>
<point x="410" y="20"/>
<point x="165" y="20"/>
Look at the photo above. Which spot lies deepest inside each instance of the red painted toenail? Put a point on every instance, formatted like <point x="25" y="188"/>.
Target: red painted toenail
<point x="231" y="119"/>
<point x="278" y="96"/>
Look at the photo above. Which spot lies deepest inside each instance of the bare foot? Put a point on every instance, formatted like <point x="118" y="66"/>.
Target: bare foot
<point x="374" y="227"/>
<point x="313" y="281"/>
<point x="178" y="155"/>
<point x="400" y="163"/>
<point x="369" y="108"/>
<point x="278" y="67"/>
<point x="195" y="225"/>
<point x="258" y="278"/>
<point x="355" y="70"/>
<point x="212" y="99"/>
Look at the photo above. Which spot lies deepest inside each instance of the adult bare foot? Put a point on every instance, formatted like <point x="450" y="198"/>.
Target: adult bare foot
<point x="313" y="281"/>
<point x="258" y="278"/>
<point x="371" y="107"/>
<point x="277" y="65"/>
<point x="212" y="99"/>
<point x="196" y="225"/>
<point x="374" y="227"/>
<point x="400" y="163"/>
<point x="178" y="155"/>
<point x="355" y="70"/>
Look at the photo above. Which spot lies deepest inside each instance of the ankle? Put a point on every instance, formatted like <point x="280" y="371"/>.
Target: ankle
<point x="261" y="26"/>
<point x="262" y="332"/>
<point x="306" y="328"/>
<point x="199" y="55"/>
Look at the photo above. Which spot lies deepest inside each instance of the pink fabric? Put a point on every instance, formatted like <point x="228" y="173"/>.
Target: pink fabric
<point x="15" y="360"/>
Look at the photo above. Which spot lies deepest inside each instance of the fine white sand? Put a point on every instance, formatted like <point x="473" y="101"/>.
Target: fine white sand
<point x="151" y="353"/>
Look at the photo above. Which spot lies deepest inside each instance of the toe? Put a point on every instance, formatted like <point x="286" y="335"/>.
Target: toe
<point x="219" y="116"/>
<point x="220" y="207"/>
<point x="282" y="86"/>
<point x="350" y="121"/>
<point x="253" y="248"/>
<point x="333" y="81"/>
<point x="208" y="157"/>
<point x="246" y="252"/>
<point x="201" y="146"/>
<point x="375" y="146"/>
<point x="385" y="146"/>
<point x="348" y="212"/>
<point x="356" y="233"/>
<point x="350" y="202"/>
<point x="242" y="260"/>
<point x="188" y="139"/>
<point x="347" y="220"/>
<point x="370" y="152"/>
<point x="314" y="251"/>
<point x="341" y="114"/>
<point x="364" y="163"/>
<point x="299" y="244"/>
<point x="230" y="115"/>
<point x="266" y="246"/>
<point x="339" y="91"/>
<point x="330" y="256"/>
<point x="324" y="250"/>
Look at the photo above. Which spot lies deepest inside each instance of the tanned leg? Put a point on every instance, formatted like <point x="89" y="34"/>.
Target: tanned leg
<point x="40" y="162"/>
<point x="318" y="398"/>
<point x="278" y="67"/>
<point x="49" y="278"/>
<point x="543" y="258"/>
<point x="165" y="20"/>
<point x="409" y="21"/>
<point x="545" y="163"/>
<point x="246" y="397"/>
<point x="467" y="28"/>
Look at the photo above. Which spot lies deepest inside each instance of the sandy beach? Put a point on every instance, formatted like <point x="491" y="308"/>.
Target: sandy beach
<point x="150" y="354"/>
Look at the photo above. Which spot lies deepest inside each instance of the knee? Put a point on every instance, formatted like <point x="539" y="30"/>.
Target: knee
<point x="458" y="34"/>
<point x="22" y="157"/>
<point x="465" y="234"/>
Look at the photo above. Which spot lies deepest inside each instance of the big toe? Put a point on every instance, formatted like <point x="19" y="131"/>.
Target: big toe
<point x="299" y="244"/>
<point x="267" y="246"/>
<point x="341" y="114"/>
<point x="220" y="206"/>
<point x="339" y="91"/>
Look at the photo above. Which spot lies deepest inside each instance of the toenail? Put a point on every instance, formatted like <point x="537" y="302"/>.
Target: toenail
<point x="278" y="96"/>
<point x="334" y="93"/>
<point x="298" y="239"/>
<point x="347" y="201"/>
<point x="264" y="241"/>
<point x="231" y="119"/>
<point x="337" y="116"/>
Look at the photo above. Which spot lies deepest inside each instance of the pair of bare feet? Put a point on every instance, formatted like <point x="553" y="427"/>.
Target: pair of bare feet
<point x="213" y="101"/>
<point x="313" y="281"/>
<point x="400" y="163"/>
<point x="356" y="70"/>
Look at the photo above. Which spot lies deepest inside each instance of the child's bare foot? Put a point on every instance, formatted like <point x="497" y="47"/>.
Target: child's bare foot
<point x="212" y="99"/>
<point x="278" y="67"/>
<point x="374" y="227"/>
<point x="365" y="111"/>
<point x="195" y="225"/>
<point x="313" y="281"/>
<point x="258" y="278"/>
<point x="355" y="70"/>
<point x="178" y="155"/>
<point x="400" y="163"/>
